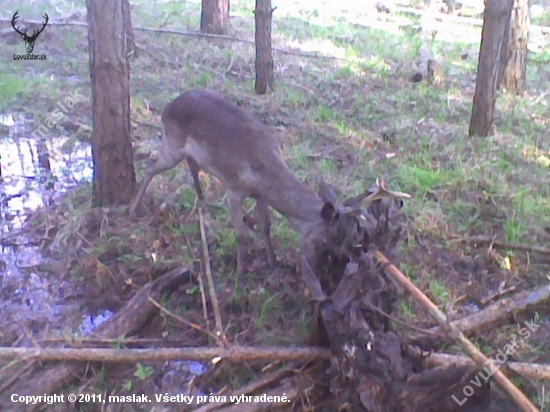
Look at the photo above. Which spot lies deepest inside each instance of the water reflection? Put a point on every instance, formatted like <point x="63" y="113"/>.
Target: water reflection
<point x="26" y="182"/>
<point x="33" y="173"/>
<point x="91" y="322"/>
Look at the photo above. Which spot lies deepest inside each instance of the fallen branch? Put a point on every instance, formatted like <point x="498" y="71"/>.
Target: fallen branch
<point x="250" y="388"/>
<point x="77" y="342"/>
<point x="515" y="304"/>
<point x="16" y="375"/>
<point x="233" y="354"/>
<point x="504" y="245"/>
<point x="480" y="359"/>
<point x="127" y="321"/>
<point x="191" y="34"/>
<point x="184" y="321"/>
<point x="528" y="370"/>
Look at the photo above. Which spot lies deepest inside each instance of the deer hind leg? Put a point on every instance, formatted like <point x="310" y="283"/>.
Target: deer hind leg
<point x="237" y="216"/>
<point x="168" y="158"/>
<point x="262" y="210"/>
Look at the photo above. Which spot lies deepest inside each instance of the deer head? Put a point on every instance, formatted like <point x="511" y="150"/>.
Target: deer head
<point x="29" y="40"/>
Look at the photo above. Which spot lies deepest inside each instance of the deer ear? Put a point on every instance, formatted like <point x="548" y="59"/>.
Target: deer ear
<point x="328" y="211"/>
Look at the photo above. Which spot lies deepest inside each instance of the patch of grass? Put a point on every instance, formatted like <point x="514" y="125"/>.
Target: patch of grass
<point x="422" y="179"/>
<point x="405" y="310"/>
<point x="541" y="17"/>
<point x="269" y="306"/>
<point x="323" y="114"/>
<point x="143" y="372"/>
<point x="188" y="196"/>
<point x="466" y="215"/>
<point x="227" y="241"/>
<point x="357" y="110"/>
<point x="525" y="211"/>
<point x="439" y="291"/>
<point x="11" y="86"/>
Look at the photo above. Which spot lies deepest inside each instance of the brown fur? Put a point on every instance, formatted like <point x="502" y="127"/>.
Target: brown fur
<point x="222" y="139"/>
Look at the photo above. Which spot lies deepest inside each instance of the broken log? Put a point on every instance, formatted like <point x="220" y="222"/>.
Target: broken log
<point x="371" y="368"/>
<point x="127" y="321"/>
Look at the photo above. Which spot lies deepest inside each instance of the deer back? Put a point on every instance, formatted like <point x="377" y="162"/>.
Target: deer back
<point x="238" y="149"/>
<point x="223" y="139"/>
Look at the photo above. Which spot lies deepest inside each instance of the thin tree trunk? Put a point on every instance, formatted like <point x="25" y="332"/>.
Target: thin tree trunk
<point x="497" y="13"/>
<point x="264" y="56"/>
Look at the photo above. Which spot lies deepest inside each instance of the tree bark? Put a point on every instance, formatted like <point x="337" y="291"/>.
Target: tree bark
<point x="264" y="56"/>
<point x="513" y="59"/>
<point x="497" y="14"/>
<point x="215" y="16"/>
<point x="114" y="180"/>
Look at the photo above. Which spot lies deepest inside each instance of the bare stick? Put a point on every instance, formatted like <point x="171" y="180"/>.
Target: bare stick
<point x="400" y="322"/>
<point x="504" y="245"/>
<point x="233" y="354"/>
<point x="528" y="370"/>
<point x="500" y="309"/>
<point x="195" y="34"/>
<point x="208" y="273"/>
<point x="519" y="398"/>
<point x="250" y="388"/>
<point x="182" y="320"/>
<point x="15" y="376"/>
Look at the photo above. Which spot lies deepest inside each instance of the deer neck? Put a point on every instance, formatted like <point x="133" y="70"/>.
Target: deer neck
<point x="293" y="199"/>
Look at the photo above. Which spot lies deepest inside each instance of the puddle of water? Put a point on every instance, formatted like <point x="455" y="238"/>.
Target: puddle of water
<point x="25" y="184"/>
<point x="91" y="322"/>
<point x="33" y="173"/>
<point x="177" y="376"/>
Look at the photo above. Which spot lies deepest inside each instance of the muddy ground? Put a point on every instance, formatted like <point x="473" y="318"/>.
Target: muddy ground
<point x="66" y="267"/>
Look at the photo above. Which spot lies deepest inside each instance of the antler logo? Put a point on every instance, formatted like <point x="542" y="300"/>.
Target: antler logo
<point x="29" y="40"/>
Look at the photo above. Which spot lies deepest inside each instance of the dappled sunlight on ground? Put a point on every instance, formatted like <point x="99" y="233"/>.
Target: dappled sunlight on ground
<point x="344" y="119"/>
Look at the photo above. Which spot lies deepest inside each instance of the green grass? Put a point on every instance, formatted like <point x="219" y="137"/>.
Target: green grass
<point x="439" y="291"/>
<point x="345" y="119"/>
<point x="11" y="85"/>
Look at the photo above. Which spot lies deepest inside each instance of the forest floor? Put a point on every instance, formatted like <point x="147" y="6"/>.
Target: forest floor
<point x="345" y="117"/>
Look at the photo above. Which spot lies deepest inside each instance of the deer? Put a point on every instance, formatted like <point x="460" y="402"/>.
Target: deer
<point x="220" y="138"/>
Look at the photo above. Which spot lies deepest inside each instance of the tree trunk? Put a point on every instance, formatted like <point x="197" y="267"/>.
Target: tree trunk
<point x="497" y="13"/>
<point x="264" y="57"/>
<point x="513" y="59"/>
<point x="114" y="181"/>
<point x="215" y="16"/>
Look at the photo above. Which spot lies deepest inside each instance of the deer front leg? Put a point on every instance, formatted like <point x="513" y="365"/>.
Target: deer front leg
<point x="167" y="159"/>
<point x="237" y="216"/>
<point x="262" y="210"/>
